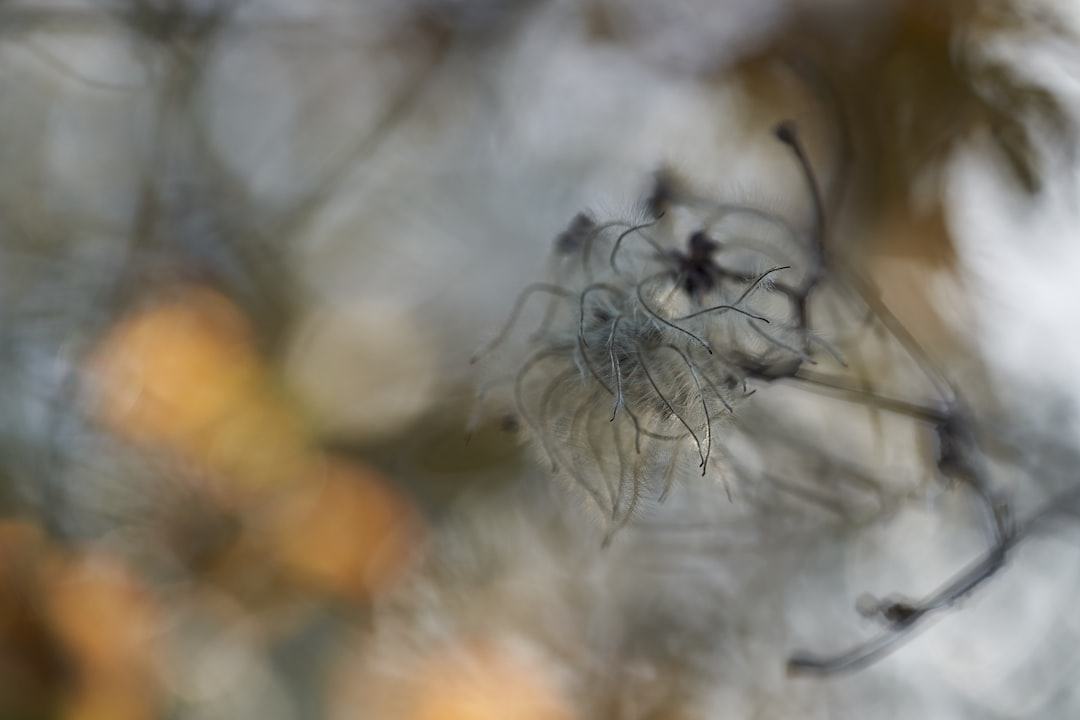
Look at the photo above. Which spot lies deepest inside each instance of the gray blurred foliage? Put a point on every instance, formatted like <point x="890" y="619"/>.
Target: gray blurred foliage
<point x="135" y="157"/>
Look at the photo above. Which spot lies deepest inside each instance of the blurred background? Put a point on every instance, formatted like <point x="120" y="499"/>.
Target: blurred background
<point x="248" y="247"/>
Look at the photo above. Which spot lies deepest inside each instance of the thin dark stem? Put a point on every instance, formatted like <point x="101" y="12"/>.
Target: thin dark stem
<point x="581" y="304"/>
<point x="758" y="280"/>
<point x="586" y="250"/>
<point x="907" y="617"/>
<point x="659" y="318"/>
<point x="618" y="242"/>
<point x="833" y="388"/>
<point x="596" y="376"/>
<point x="787" y="134"/>
<point x="722" y="308"/>
<point x="615" y="368"/>
<point x="704" y="405"/>
<point x="667" y="404"/>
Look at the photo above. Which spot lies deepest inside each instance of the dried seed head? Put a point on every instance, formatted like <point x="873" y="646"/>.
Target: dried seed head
<point x="649" y="336"/>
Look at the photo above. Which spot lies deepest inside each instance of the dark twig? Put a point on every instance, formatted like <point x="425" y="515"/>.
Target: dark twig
<point x="905" y="618"/>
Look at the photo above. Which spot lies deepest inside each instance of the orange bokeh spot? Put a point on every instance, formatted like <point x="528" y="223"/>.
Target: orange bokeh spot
<point x="75" y="633"/>
<point x="183" y="373"/>
<point x="345" y="530"/>
<point x="486" y="682"/>
<point x="175" y="368"/>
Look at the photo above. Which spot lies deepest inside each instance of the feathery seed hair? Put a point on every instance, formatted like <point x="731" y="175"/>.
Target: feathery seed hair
<point x="648" y="339"/>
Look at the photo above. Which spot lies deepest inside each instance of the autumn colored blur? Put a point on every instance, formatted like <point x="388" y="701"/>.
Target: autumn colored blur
<point x="206" y="506"/>
<point x="181" y="377"/>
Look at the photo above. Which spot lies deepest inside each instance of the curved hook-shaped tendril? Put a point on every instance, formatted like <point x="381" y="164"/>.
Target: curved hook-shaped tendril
<point x="618" y="242"/>
<point x="667" y="403"/>
<point x="704" y="405"/>
<point x="519" y="304"/>
<point x="663" y="320"/>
